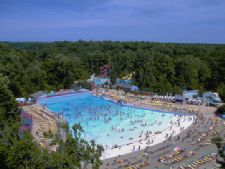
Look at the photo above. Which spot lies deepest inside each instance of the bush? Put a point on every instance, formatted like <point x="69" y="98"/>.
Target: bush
<point x="221" y="91"/>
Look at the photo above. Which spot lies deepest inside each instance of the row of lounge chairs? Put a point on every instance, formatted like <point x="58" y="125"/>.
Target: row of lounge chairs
<point x="165" y="159"/>
<point x="179" y="159"/>
<point x="200" y="161"/>
<point x="127" y="164"/>
<point x="138" y="166"/>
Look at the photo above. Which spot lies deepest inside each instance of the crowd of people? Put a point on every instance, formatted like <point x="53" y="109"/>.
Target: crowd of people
<point x="120" y="122"/>
<point x="205" y="125"/>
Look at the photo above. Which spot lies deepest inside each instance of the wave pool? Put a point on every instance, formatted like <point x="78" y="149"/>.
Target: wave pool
<point x="106" y="122"/>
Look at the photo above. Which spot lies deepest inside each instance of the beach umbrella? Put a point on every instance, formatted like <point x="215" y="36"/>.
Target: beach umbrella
<point x="177" y="148"/>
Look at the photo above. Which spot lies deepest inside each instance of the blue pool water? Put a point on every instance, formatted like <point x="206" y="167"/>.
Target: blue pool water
<point x="106" y="122"/>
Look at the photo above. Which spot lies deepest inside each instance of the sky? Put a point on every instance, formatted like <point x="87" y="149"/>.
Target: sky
<point x="179" y="21"/>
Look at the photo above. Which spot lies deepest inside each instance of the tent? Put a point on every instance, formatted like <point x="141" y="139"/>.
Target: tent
<point x="134" y="88"/>
<point x="179" y="98"/>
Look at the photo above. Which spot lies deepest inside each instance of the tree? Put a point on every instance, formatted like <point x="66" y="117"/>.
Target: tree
<point x="8" y="106"/>
<point x="221" y="91"/>
<point x="62" y="71"/>
<point x="220" y="145"/>
<point x="24" y="153"/>
<point x="79" y="153"/>
<point x="217" y="140"/>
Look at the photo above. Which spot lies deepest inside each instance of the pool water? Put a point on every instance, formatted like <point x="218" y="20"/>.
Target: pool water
<point x="106" y="122"/>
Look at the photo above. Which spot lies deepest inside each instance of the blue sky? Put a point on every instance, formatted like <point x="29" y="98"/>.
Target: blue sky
<point x="191" y="21"/>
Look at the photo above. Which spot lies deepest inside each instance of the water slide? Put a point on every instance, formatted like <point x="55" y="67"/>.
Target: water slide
<point x="129" y="76"/>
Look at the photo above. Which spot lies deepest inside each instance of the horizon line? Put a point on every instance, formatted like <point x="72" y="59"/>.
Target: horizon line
<point x="118" y="41"/>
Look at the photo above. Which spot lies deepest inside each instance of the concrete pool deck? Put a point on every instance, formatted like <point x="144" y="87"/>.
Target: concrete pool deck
<point x="142" y="143"/>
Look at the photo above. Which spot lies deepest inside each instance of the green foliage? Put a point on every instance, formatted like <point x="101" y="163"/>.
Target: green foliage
<point x="8" y="104"/>
<point x="81" y="84"/>
<point x="221" y="91"/>
<point x="49" y="135"/>
<point x="64" y="126"/>
<point x="16" y="153"/>
<point x="217" y="140"/>
<point x="158" y="67"/>
<point x="63" y="71"/>
<point x="24" y="154"/>
<point x="79" y="152"/>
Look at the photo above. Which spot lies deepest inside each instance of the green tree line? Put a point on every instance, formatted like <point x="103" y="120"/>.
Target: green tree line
<point x="158" y="67"/>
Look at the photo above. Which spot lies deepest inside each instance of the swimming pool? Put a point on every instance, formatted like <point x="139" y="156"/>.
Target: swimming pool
<point x="106" y="122"/>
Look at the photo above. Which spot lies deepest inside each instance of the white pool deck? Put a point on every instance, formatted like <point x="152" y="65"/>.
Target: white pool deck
<point x="157" y="138"/>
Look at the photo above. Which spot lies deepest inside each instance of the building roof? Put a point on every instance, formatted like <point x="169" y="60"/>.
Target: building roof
<point x="179" y="98"/>
<point x="191" y="91"/>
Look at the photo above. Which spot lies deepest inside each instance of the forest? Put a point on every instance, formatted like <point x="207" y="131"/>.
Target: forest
<point x="158" y="67"/>
<point x="31" y="66"/>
